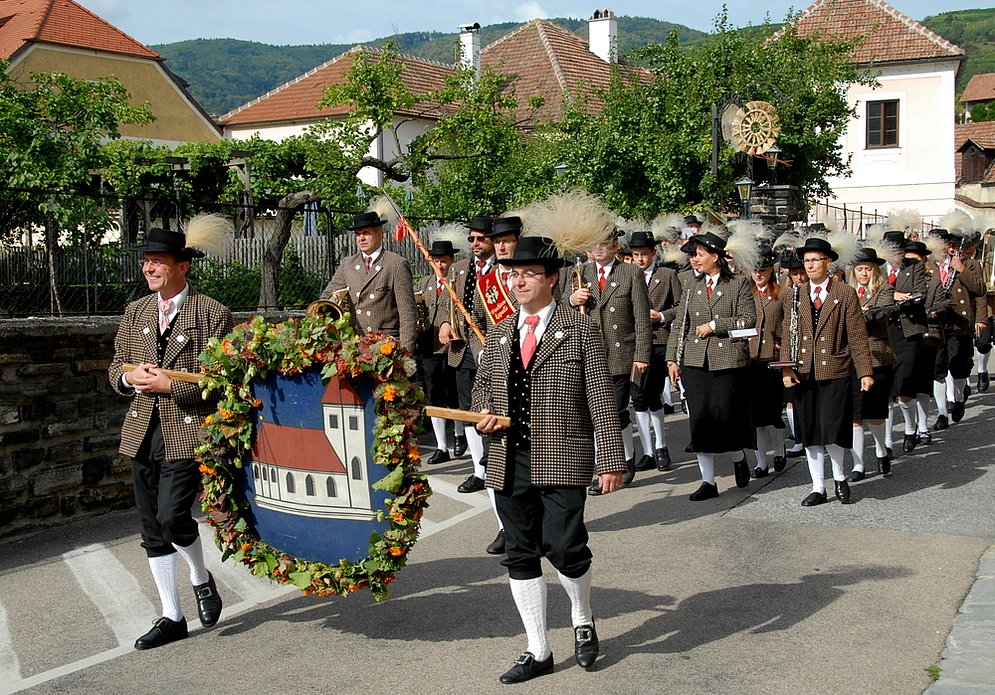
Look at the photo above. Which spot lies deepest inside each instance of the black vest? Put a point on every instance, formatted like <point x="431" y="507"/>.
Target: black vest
<point x="520" y="397"/>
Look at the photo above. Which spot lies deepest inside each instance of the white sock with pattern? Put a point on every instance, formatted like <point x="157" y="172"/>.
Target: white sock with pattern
<point x="835" y="452"/>
<point x="858" y="448"/>
<point x="164" y="574"/>
<point x="627" y="442"/>
<point x="889" y="427"/>
<point x="777" y="437"/>
<point x="439" y="429"/>
<point x="194" y="555"/>
<point x="530" y="600"/>
<point x="761" y="450"/>
<point x="476" y="446"/>
<point x="880" y="446"/>
<point x="922" y="412"/>
<point x="940" y="396"/>
<point x="706" y="464"/>
<point x="579" y="592"/>
<point x="659" y="431"/>
<point x="816" y="456"/>
<point x="645" y="435"/>
<point x="908" y="414"/>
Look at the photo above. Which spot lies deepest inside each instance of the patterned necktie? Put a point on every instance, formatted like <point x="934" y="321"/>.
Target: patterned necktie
<point x="944" y="272"/>
<point x="165" y="307"/>
<point x="601" y="279"/>
<point x="504" y="277"/>
<point x="862" y="291"/>
<point x="708" y="288"/>
<point x="529" y="342"/>
<point x="480" y="268"/>
<point x="817" y="302"/>
<point x="368" y="262"/>
<point x="892" y="276"/>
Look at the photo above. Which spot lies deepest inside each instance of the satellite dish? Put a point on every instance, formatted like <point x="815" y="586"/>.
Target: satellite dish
<point x="752" y="129"/>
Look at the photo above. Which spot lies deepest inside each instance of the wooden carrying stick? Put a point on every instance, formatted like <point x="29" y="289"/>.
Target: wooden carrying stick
<point x="429" y="410"/>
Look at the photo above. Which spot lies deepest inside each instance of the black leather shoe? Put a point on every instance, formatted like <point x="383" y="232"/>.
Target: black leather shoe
<point x="208" y="601"/>
<point x="630" y="472"/>
<point x="526" y="668"/>
<point x="471" y="484"/>
<point x="842" y="491"/>
<point x="957" y="411"/>
<point x="814" y="498"/>
<point x="668" y="409"/>
<point x="163" y="632"/>
<point x="909" y="443"/>
<point x="438" y="456"/>
<point x="983" y="382"/>
<point x="884" y="463"/>
<point x="941" y="423"/>
<point x="497" y="545"/>
<point x="662" y="457"/>
<point x="779" y="463"/>
<point x="706" y="492"/>
<point x="967" y="391"/>
<point x="459" y="447"/>
<point x="857" y="476"/>
<point x="585" y="645"/>
<point x="742" y="472"/>
<point x="759" y="472"/>
<point x="795" y="451"/>
<point x="595" y="489"/>
<point x="646" y="463"/>
<point x="924" y="438"/>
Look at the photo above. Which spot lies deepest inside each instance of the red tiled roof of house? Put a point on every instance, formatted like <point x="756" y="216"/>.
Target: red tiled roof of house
<point x="979" y="88"/>
<point x="298" y="99"/>
<point x="61" y="22"/>
<point x="545" y="60"/>
<point x="891" y="36"/>
<point x="982" y="134"/>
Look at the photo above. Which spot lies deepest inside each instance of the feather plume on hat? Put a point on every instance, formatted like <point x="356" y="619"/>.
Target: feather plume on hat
<point x="668" y="226"/>
<point x="210" y="234"/>
<point x="905" y="220"/>
<point x="575" y="221"/>
<point x="789" y="241"/>
<point x="876" y="231"/>
<point x="630" y="225"/>
<point x="984" y="221"/>
<point x="386" y="210"/>
<point x="937" y="246"/>
<point x="742" y="248"/>
<point x="890" y="252"/>
<point x="710" y="227"/>
<point x="846" y="245"/>
<point x="958" y="222"/>
<point x="752" y="229"/>
<point x="452" y="232"/>
<point x="674" y="255"/>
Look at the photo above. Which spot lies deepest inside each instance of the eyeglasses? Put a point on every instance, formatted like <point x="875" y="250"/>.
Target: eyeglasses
<point x="815" y="260"/>
<point x="527" y="274"/>
<point x="475" y="239"/>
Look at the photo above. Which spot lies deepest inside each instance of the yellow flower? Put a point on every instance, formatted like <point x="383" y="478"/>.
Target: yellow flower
<point x="389" y="393"/>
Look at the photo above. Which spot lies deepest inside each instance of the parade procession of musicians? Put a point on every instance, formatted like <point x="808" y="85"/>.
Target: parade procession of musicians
<point x="588" y="331"/>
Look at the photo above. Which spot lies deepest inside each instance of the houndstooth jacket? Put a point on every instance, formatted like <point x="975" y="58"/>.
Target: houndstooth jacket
<point x="664" y="290"/>
<point x="911" y="279"/>
<point x="382" y="299"/>
<point x="878" y="335"/>
<point x="730" y="306"/>
<point x="838" y="344"/>
<point x="183" y="410"/>
<point x="572" y="402"/>
<point x="770" y="313"/>
<point x="429" y="344"/>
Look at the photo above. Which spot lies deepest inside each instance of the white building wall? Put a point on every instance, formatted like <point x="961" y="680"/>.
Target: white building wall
<point x="919" y="173"/>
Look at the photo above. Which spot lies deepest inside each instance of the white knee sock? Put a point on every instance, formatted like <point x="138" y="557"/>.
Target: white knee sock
<point x="889" y="427"/>
<point x="459" y="428"/>
<point x="880" y="447"/>
<point x="835" y="452"/>
<point x="790" y="412"/>
<point x="530" y="599"/>
<point x="940" y="396"/>
<point x="959" y="385"/>
<point x="761" y="450"/>
<point x="982" y="360"/>
<point x="950" y="389"/>
<point x="816" y="456"/>
<point x="777" y="438"/>
<point x="909" y="415"/>
<point x="627" y="442"/>
<point x="659" y="429"/>
<point x="490" y="493"/>
<point x="164" y="573"/>
<point x="858" y="448"/>
<point x="194" y="555"/>
<point x="476" y="446"/>
<point x="645" y="433"/>
<point x="439" y="428"/>
<point x="579" y="592"/>
<point x="706" y="464"/>
<point x="666" y="396"/>
<point x="922" y="411"/>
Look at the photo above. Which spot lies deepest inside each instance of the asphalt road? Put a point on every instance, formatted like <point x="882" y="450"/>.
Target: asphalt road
<point x="746" y="593"/>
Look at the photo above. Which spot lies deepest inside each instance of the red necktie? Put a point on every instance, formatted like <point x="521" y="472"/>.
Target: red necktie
<point x="944" y="272"/>
<point x="368" y="262"/>
<point x="165" y="306"/>
<point x="438" y="288"/>
<point x="504" y="277"/>
<point x="601" y="279"/>
<point x="480" y="268"/>
<point x="529" y="342"/>
<point x="862" y="291"/>
<point x="892" y="276"/>
<point x="708" y="288"/>
<point x="817" y="302"/>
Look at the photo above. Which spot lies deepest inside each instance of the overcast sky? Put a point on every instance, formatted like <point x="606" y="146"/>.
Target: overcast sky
<point x="291" y="22"/>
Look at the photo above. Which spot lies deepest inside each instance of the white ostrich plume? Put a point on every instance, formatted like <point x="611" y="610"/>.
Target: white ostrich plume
<point x="787" y="241"/>
<point x="385" y="208"/>
<point x="675" y="255"/>
<point x="668" y="226"/>
<point x="957" y="222"/>
<point x="846" y="245"/>
<point x="905" y="220"/>
<point x="936" y="246"/>
<point x="710" y="227"/>
<point x="743" y="250"/>
<point x="631" y="225"/>
<point x="211" y="234"/>
<point x="876" y="231"/>
<point x="452" y="232"/>
<point x="751" y="229"/>
<point x="886" y="250"/>
<point x="575" y="221"/>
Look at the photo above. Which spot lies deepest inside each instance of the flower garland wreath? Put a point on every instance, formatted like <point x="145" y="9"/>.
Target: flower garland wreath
<point x="252" y="351"/>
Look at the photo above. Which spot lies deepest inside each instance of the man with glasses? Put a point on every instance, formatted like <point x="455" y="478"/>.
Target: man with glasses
<point x="832" y="348"/>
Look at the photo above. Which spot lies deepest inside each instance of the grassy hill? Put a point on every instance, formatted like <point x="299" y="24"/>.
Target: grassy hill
<point x="972" y="30"/>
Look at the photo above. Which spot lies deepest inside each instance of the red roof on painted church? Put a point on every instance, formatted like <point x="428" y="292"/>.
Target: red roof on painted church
<point x="294" y="447"/>
<point x="340" y="391"/>
<point x="62" y="22"/>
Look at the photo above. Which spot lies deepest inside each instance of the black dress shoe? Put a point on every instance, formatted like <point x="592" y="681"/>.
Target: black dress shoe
<point x="630" y="472"/>
<point x="909" y="443"/>
<point x="941" y="423"/>
<point x="595" y="489"/>
<point x="662" y="457"/>
<point x="795" y="451"/>
<point x="497" y="545"/>
<point x="967" y="391"/>
<point x="646" y="463"/>
<point x="924" y="438"/>
<point x="884" y="463"/>
<point x="669" y="409"/>
<point x="471" y="484"/>
<point x="706" y="492"/>
<point x="742" y="472"/>
<point x="857" y="476"/>
<point x="891" y="454"/>
<point x="585" y="645"/>
<point x="526" y="667"/>
<point x="983" y="382"/>
<point x="957" y="411"/>
<point x="208" y="601"/>
<point x="459" y="447"/>
<point x="813" y="499"/>
<point x="842" y="491"/>
<point x="438" y="456"/>
<point x="163" y="632"/>
<point x="779" y="463"/>
<point x="759" y="472"/>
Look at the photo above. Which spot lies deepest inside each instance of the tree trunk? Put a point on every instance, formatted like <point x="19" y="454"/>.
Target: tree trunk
<point x="269" y="285"/>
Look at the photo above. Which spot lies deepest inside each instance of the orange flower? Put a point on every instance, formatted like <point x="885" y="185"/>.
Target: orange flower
<point x="387" y="348"/>
<point x="397" y="517"/>
<point x="257" y="403"/>
<point x="206" y="470"/>
<point x="397" y="552"/>
<point x="389" y="393"/>
<point x="246" y="546"/>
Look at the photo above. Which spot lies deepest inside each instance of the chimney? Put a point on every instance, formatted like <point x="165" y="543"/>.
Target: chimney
<point x="602" y="35"/>
<point x="469" y="41"/>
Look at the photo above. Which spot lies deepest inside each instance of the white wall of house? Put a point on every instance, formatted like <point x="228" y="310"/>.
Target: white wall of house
<point x="918" y="174"/>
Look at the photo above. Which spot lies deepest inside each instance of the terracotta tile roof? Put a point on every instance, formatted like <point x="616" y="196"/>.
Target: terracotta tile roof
<point x="982" y="134"/>
<point x="61" y="22"/>
<point x="979" y="88"/>
<point x="297" y="100"/>
<point x="891" y="36"/>
<point x="544" y="59"/>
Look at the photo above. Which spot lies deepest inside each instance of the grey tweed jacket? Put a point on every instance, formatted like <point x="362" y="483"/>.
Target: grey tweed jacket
<point x="182" y="411"/>
<point x="664" y="291"/>
<point x="730" y="306"/>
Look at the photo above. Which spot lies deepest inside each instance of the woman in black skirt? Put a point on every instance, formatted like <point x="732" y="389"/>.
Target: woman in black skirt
<point x="877" y="301"/>
<point x="713" y="367"/>
<point x="766" y="391"/>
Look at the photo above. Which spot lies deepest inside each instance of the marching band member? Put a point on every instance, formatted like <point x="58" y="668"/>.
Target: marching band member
<point x="795" y="275"/>
<point x="935" y="303"/>
<point x="766" y="391"/>
<point x="828" y="343"/>
<point x="713" y="367"/>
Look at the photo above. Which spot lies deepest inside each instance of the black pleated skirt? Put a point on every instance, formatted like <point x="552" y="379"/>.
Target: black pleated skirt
<point x="824" y="412"/>
<point x="766" y="395"/>
<point x="719" y="405"/>
<point x="873" y="404"/>
<point x="905" y="380"/>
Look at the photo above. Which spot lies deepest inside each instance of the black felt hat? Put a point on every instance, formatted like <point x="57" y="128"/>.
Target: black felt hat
<point x="867" y="255"/>
<point x="365" y="220"/>
<point x="816" y="244"/>
<point x="642" y="240"/>
<point x="692" y="219"/>
<point x="535" y="250"/>
<point x="767" y="257"/>
<point x="712" y="243"/>
<point x="918" y="248"/>
<point x="442" y="248"/>
<point x="167" y="241"/>
<point x="505" y="225"/>
<point x="897" y="238"/>
<point x="481" y="223"/>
